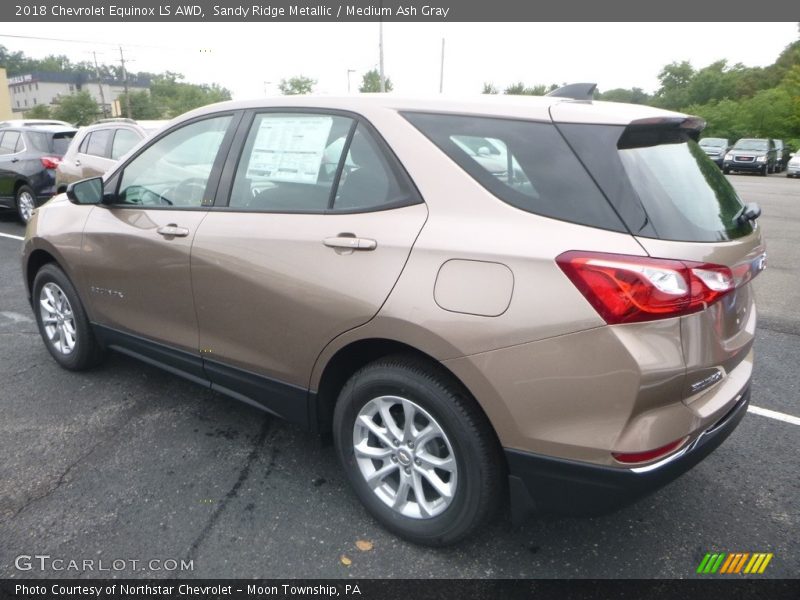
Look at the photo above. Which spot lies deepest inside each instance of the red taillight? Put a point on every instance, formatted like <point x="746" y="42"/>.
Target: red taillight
<point x="50" y="162"/>
<point x="647" y="455"/>
<point x="630" y="289"/>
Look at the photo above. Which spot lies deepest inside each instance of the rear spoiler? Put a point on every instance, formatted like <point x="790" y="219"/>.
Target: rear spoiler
<point x="660" y="130"/>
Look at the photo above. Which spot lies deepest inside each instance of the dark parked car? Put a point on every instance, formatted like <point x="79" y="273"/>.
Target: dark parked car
<point x="28" y="160"/>
<point x="751" y="154"/>
<point x="781" y="155"/>
<point x="715" y="148"/>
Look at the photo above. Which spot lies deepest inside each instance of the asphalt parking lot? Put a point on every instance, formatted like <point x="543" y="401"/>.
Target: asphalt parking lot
<point x="127" y="462"/>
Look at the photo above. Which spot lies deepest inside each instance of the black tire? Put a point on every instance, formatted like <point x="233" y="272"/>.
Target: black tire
<point x="763" y="171"/>
<point x="481" y="476"/>
<point x="726" y="170"/>
<point x="86" y="352"/>
<point x="24" y="201"/>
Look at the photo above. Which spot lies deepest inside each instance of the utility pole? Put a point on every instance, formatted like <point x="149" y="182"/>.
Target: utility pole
<point x="125" y="82"/>
<point x="100" y="85"/>
<point x="348" y="78"/>
<point x="380" y="49"/>
<point x="441" y="71"/>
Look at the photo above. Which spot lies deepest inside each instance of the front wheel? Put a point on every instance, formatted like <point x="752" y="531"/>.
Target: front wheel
<point x="420" y="454"/>
<point x="62" y="321"/>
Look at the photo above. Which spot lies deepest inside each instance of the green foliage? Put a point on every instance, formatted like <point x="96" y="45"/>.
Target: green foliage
<point x="142" y="106"/>
<point x="519" y="89"/>
<point x="40" y="111"/>
<point x="489" y="88"/>
<point x="633" y="96"/>
<point x="674" y="90"/>
<point x="371" y="82"/>
<point x="297" y="85"/>
<point x="78" y="109"/>
<point x="172" y="97"/>
<point x="169" y="94"/>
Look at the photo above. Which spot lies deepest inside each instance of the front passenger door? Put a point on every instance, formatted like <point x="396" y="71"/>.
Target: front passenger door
<point x="136" y="250"/>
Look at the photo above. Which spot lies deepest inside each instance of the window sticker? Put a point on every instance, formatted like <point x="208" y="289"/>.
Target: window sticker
<point x="290" y="148"/>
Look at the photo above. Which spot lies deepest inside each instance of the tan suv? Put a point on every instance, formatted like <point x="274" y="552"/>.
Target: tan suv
<point x="98" y="147"/>
<point x="570" y="331"/>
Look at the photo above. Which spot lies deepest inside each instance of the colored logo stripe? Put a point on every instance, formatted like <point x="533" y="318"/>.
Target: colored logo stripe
<point x="734" y="562"/>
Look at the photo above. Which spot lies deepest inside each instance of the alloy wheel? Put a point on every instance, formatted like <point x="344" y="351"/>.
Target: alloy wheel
<point x="58" y="320"/>
<point x="405" y="457"/>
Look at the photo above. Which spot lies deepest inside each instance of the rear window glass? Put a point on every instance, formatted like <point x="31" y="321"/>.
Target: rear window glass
<point x="61" y="142"/>
<point x="684" y="192"/>
<point x="661" y="182"/>
<point x="50" y="143"/>
<point x="523" y="163"/>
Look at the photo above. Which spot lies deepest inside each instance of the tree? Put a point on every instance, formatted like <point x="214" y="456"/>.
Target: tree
<point x="631" y="96"/>
<point x="172" y="97"/>
<point x="40" y="111"/>
<point x="78" y="109"/>
<point x="297" y="85"/>
<point x="673" y="93"/>
<point x="371" y="82"/>
<point x="489" y="88"/>
<point x="519" y="89"/>
<point x="142" y="105"/>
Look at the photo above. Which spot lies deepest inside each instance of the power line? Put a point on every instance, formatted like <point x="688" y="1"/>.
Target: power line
<point x="52" y="39"/>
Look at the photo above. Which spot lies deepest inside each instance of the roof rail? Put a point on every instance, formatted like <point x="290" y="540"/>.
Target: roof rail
<point x="576" y="91"/>
<point x="114" y="120"/>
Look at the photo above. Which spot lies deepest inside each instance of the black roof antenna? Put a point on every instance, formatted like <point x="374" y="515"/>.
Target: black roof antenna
<point x="576" y="91"/>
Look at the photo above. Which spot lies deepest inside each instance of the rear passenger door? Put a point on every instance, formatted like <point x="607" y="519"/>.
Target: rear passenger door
<point x="93" y="156"/>
<point x="313" y="225"/>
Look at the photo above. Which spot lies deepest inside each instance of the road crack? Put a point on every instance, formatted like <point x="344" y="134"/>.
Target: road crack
<point x="62" y="479"/>
<point x="244" y="474"/>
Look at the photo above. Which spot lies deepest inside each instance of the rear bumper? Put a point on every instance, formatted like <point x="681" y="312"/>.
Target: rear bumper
<point x="540" y="484"/>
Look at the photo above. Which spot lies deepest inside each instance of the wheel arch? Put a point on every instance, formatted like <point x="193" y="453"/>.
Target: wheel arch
<point x="353" y="356"/>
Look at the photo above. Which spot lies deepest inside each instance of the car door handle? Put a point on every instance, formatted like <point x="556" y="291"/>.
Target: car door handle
<point x="77" y="163"/>
<point x="172" y="230"/>
<point x="350" y="243"/>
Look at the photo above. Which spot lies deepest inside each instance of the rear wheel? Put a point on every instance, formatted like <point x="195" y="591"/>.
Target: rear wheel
<point x="26" y="203"/>
<point x="419" y="453"/>
<point x="62" y="321"/>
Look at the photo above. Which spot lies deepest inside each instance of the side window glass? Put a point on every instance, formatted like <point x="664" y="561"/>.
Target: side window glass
<point x="98" y="143"/>
<point x="492" y="155"/>
<point x="368" y="180"/>
<point x="289" y="162"/>
<point x="124" y="140"/>
<point x="85" y="144"/>
<point x="174" y="170"/>
<point x="9" y="142"/>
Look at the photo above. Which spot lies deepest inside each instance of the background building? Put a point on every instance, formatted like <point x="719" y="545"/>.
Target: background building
<point x="29" y="90"/>
<point x="5" y="96"/>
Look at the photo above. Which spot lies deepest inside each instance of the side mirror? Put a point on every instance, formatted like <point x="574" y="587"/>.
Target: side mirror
<point x="87" y="191"/>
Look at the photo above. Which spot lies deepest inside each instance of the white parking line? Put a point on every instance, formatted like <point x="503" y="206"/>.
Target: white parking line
<point x="13" y="237"/>
<point x="772" y="414"/>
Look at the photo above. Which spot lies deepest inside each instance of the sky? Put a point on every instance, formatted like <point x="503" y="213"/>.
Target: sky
<point x="250" y="59"/>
